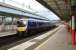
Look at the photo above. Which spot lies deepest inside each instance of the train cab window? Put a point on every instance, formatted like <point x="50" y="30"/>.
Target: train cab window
<point x="20" y="24"/>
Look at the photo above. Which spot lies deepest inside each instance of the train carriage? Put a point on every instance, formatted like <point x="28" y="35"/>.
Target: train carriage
<point x="26" y="27"/>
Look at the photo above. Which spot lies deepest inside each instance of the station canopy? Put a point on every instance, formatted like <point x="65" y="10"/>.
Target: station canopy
<point x="61" y="8"/>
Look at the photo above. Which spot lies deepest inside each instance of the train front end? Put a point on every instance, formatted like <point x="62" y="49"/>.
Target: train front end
<point x="22" y="28"/>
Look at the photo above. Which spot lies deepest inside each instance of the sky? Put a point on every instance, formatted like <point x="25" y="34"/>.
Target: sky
<point x="33" y="6"/>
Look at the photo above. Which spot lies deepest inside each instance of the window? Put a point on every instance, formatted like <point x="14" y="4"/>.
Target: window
<point x="8" y="20"/>
<point x="20" y="24"/>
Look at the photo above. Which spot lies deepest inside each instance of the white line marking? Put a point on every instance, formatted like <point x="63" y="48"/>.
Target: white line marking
<point x="23" y="46"/>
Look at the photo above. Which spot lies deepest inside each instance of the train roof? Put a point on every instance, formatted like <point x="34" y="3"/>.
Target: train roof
<point x="36" y="20"/>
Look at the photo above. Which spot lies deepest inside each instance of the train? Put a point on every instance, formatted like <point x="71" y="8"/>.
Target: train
<point x="10" y="21"/>
<point x="29" y="26"/>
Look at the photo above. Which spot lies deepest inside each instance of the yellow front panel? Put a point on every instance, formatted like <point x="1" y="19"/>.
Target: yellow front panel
<point x="21" y="28"/>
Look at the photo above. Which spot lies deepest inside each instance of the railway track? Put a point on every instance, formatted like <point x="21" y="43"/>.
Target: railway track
<point x="9" y="41"/>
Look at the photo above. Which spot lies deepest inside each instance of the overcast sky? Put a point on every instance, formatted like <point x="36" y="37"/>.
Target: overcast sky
<point x="33" y="6"/>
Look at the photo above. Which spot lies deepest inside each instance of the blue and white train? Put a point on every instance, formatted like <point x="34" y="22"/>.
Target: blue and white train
<point x="26" y="27"/>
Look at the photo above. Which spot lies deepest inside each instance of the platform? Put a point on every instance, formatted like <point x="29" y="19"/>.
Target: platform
<point x="61" y="40"/>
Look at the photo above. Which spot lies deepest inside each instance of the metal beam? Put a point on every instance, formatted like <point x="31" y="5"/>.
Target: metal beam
<point x="14" y="10"/>
<point x="47" y="6"/>
<point x="58" y="7"/>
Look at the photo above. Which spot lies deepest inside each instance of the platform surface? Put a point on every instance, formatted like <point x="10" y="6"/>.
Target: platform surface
<point x="61" y="40"/>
